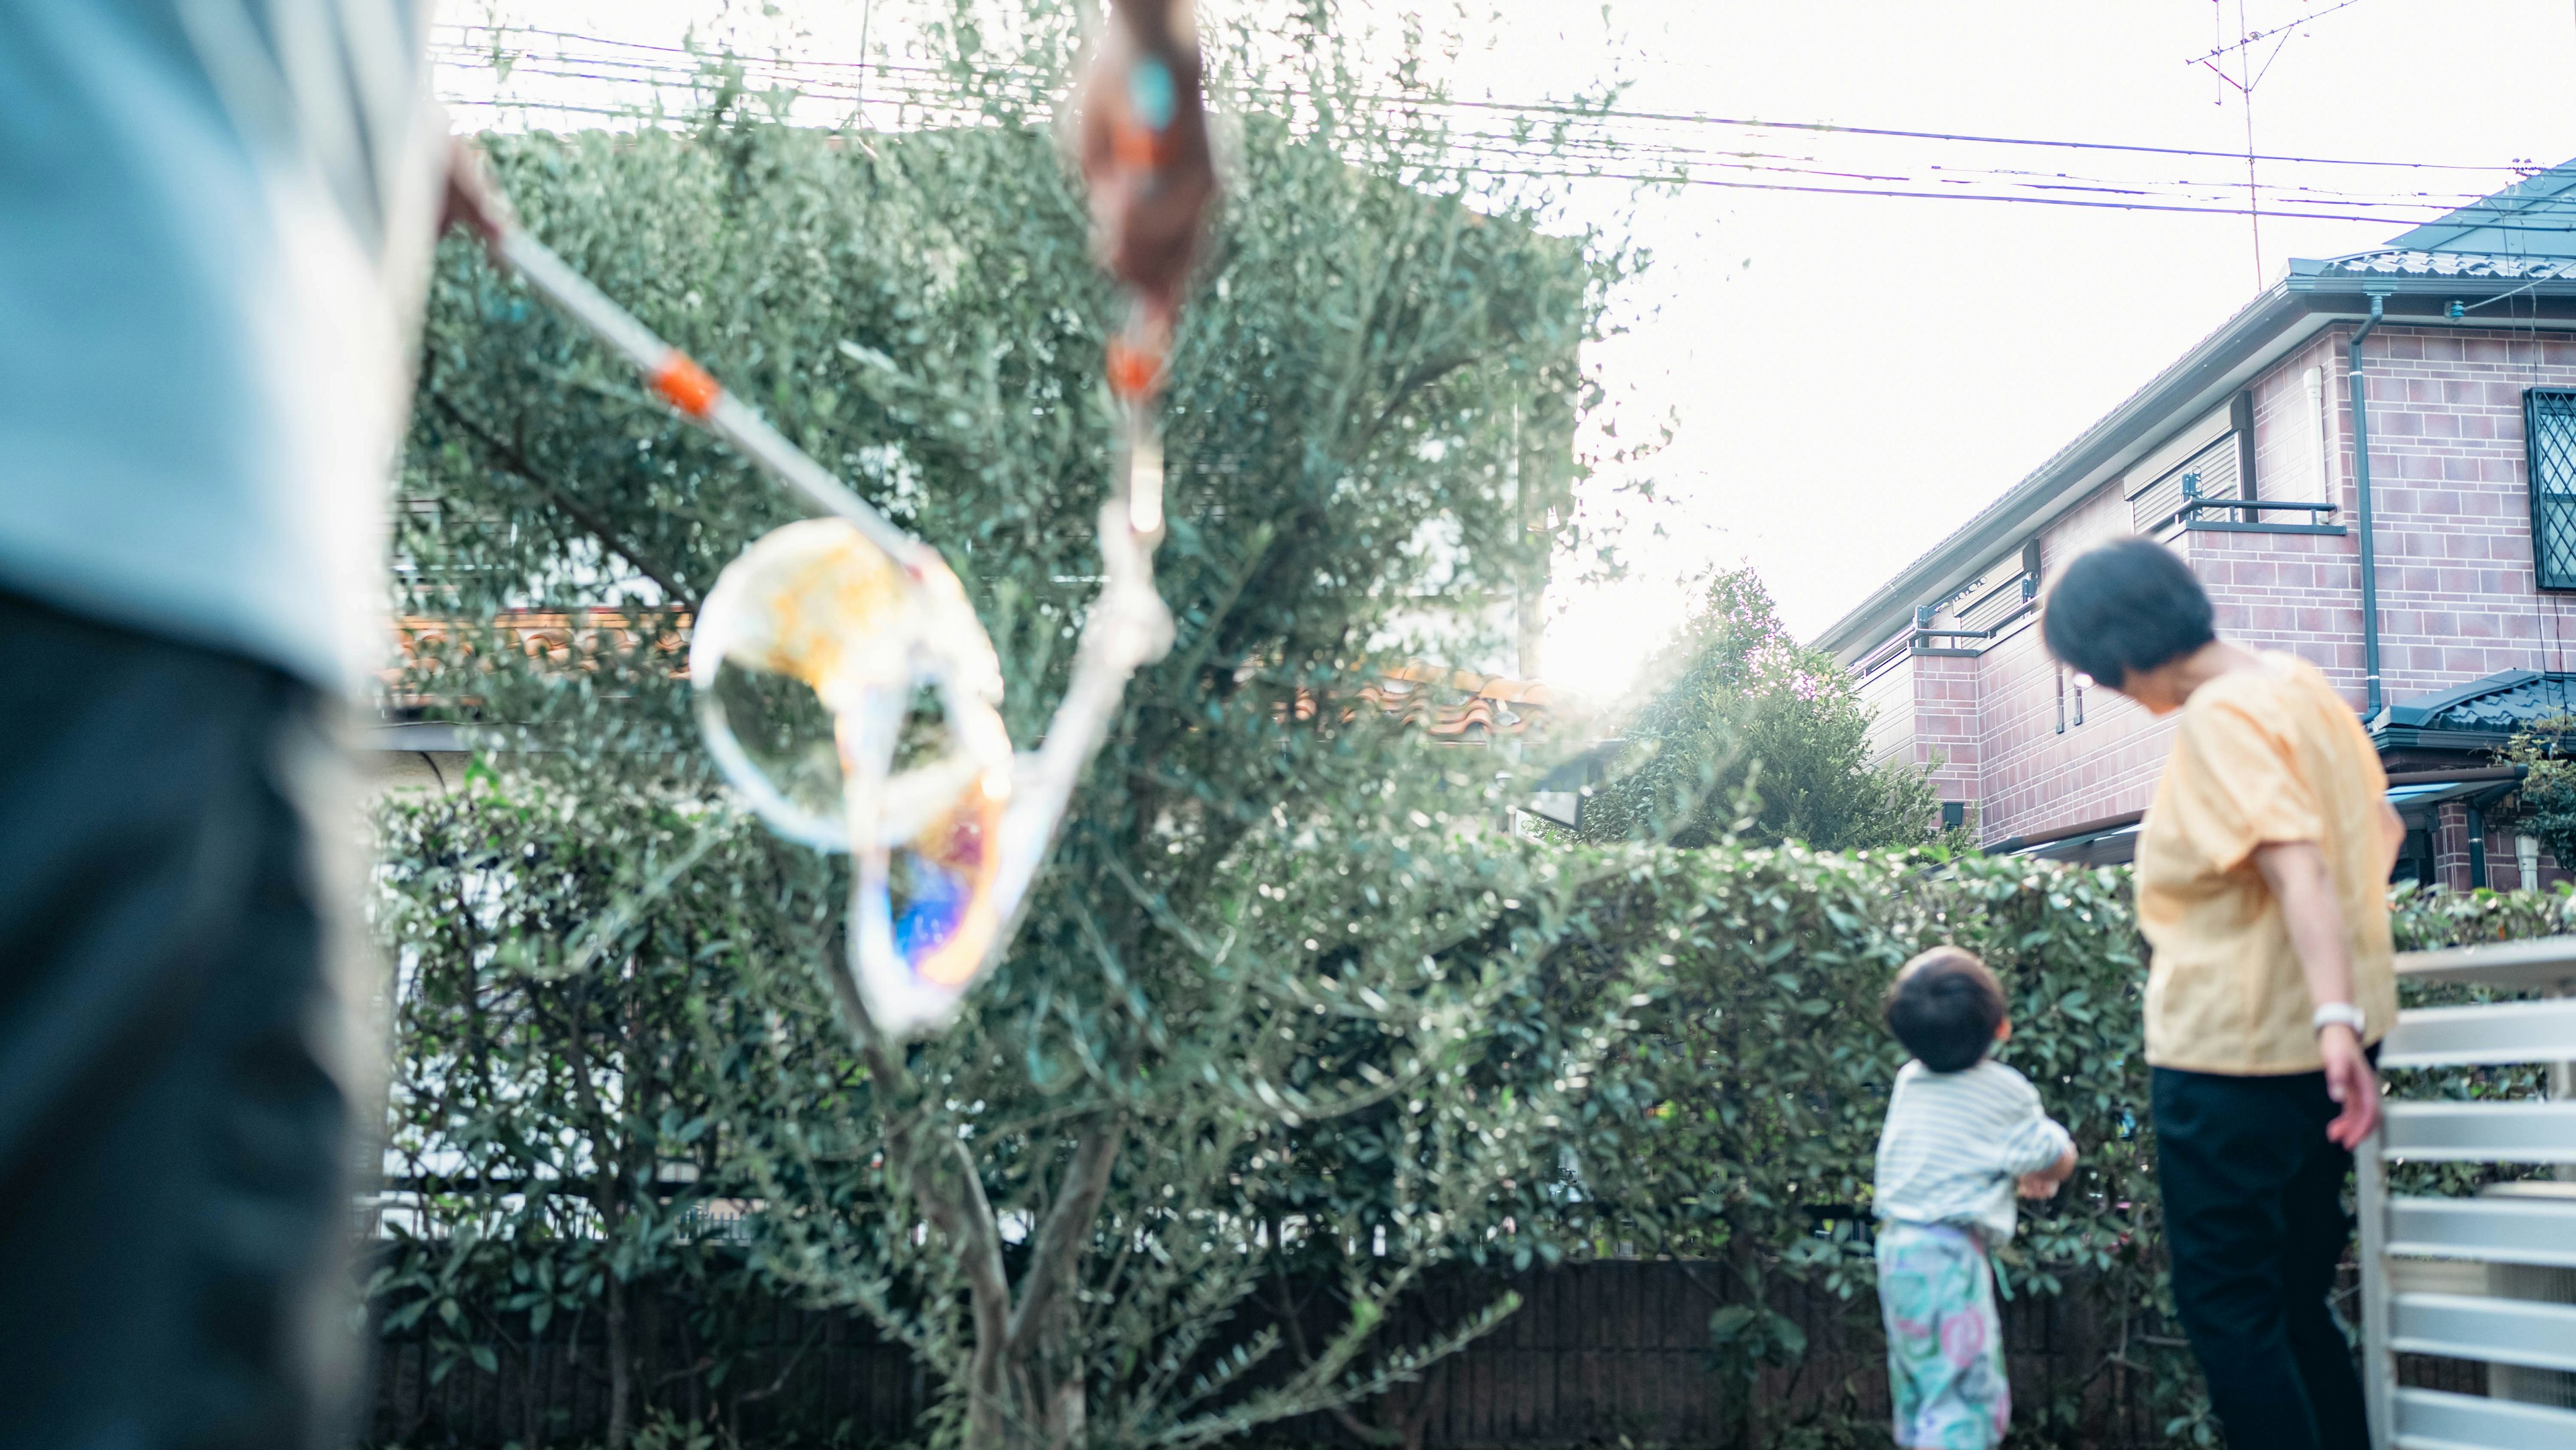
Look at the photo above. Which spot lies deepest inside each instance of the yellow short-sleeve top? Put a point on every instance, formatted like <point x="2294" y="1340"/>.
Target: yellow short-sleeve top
<point x="2260" y="756"/>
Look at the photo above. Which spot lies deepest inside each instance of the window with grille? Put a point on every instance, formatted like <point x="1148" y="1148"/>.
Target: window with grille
<point x="2549" y="434"/>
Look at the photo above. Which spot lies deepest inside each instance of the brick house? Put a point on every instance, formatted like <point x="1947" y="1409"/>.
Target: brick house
<point x="2405" y="569"/>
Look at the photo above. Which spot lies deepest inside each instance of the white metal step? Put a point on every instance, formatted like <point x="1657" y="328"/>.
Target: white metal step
<point x="2496" y="1230"/>
<point x="2513" y="1132"/>
<point x="2499" y="1331"/>
<point x="2439" y="1420"/>
<point x="2503" y="1032"/>
<point x="2543" y="963"/>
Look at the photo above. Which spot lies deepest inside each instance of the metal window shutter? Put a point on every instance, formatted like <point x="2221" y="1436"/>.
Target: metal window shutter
<point x="2154" y="506"/>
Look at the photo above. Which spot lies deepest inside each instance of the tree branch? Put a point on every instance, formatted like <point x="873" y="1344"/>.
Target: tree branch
<point x="979" y="1239"/>
<point x="1406" y="387"/>
<point x="963" y="1216"/>
<point x="1289" y="1308"/>
<point x="1055" y="1258"/>
<point x="588" y="519"/>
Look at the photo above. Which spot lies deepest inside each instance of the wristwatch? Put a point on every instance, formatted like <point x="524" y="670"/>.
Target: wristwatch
<point x="2330" y="1013"/>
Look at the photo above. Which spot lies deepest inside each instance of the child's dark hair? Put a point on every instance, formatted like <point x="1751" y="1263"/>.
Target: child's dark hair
<point x="1945" y="1007"/>
<point x="2127" y="606"/>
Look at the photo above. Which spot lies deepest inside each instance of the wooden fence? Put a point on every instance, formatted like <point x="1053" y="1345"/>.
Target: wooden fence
<point x="1597" y="1351"/>
<point x="1614" y="1349"/>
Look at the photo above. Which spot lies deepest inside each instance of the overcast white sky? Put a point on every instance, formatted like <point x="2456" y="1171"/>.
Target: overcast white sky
<point x="1851" y="378"/>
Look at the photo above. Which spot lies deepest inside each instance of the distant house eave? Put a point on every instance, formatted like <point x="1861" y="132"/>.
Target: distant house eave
<point x="2310" y="296"/>
<point x="2249" y="342"/>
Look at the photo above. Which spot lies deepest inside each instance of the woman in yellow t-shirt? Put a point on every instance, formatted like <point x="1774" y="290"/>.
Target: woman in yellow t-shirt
<point x="2262" y="886"/>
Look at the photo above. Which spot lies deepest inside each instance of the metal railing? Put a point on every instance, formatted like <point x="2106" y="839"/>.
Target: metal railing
<point x="2193" y="503"/>
<point x="2490" y="1278"/>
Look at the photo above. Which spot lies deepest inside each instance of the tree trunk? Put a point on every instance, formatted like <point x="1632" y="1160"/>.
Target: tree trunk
<point x="1068" y="1409"/>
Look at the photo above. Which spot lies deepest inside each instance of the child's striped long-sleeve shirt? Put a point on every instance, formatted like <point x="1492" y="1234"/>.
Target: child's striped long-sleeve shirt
<point x="1954" y="1143"/>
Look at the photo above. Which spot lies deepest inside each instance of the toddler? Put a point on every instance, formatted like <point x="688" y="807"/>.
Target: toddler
<point x="1962" y="1131"/>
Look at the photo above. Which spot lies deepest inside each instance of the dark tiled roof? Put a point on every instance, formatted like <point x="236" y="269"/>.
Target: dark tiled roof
<point x="2393" y="262"/>
<point x="2499" y="704"/>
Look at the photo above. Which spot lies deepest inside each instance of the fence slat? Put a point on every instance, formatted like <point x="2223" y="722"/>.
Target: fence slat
<point x="2482" y="1036"/>
<point x="2540" y="964"/>
<point x="1599" y="1350"/>
<point x="2510" y="1132"/>
<point x="2473" y="1326"/>
<point x="2440" y="1420"/>
<point x="2493" y="1230"/>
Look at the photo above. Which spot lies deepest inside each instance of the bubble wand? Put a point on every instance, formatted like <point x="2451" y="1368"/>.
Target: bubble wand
<point x="865" y="615"/>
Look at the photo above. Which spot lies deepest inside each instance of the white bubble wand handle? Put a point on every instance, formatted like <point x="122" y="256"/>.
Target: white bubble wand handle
<point x="1129" y="627"/>
<point x="677" y="379"/>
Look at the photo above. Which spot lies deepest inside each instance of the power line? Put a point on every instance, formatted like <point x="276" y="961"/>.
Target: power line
<point x="1625" y="152"/>
<point x="1826" y="127"/>
<point x="1606" y="113"/>
<point x="2298" y="200"/>
<point x="1680" y="180"/>
<point x="921" y="89"/>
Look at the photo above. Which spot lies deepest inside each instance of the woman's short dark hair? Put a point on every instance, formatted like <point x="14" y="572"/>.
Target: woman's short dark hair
<point x="2130" y="605"/>
<point x="1945" y="1007"/>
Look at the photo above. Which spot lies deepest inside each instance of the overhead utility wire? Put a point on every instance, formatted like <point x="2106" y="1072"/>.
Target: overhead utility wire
<point x="573" y="108"/>
<point x="2304" y="199"/>
<point x="565" y="68"/>
<point x="1567" y="108"/>
<point x="2136" y="197"/>
<point x="1695" y="118"/>
<point x="1674" y="180"/>
<point x="1671" y="179"/>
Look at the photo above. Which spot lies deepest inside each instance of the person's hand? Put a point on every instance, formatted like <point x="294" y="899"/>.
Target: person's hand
<point x="1144" y="148"/>
<point x="2351" y="1082"/>
<point x="2043" y="1182"/>
<point x="472" y="202"/>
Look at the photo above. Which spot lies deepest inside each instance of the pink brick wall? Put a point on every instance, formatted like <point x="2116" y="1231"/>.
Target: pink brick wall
<point x="2455" y="575"/>
<point x="2035" y="777"/>
<point x="2297" y="593"/>
<point x="1946" y="724"/>
<point x="2454" y="545"/>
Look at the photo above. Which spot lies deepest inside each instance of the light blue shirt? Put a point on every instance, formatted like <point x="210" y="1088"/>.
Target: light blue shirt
<point x="1956" y="1141"/>
<point x="215" y="220"/>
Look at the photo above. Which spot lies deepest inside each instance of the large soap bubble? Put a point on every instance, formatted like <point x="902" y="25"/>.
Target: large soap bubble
<point x="851" y="701"/>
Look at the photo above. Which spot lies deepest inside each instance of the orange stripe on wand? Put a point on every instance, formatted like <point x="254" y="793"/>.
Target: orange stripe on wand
<point x="687" y="385"/>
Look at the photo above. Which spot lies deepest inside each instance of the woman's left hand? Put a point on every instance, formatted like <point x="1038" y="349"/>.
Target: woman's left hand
<point x="2350" y="1081"/>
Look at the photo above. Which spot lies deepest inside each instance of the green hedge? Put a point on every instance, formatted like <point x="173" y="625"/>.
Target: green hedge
<point x="1740" y="1107"/>
<point x="1769" y="1067"/>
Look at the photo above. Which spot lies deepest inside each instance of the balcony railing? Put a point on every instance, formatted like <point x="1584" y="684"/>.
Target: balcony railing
<point x="2195" y="504"/>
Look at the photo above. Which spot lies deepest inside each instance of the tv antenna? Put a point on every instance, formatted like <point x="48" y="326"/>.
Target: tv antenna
<point x="2247" y="77"/>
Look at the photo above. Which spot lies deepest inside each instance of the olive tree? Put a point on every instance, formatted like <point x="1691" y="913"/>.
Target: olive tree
<point x="1273" y="1039"/>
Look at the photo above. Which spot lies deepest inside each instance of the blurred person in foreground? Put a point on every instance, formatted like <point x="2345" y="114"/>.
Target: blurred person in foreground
<point x="216" y="218"/>
<point x="2262" y="883"/>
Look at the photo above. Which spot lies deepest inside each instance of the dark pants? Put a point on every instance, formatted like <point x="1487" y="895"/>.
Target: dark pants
<point x="180" y="1072"/>
<point x="2254" y="1218"/>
